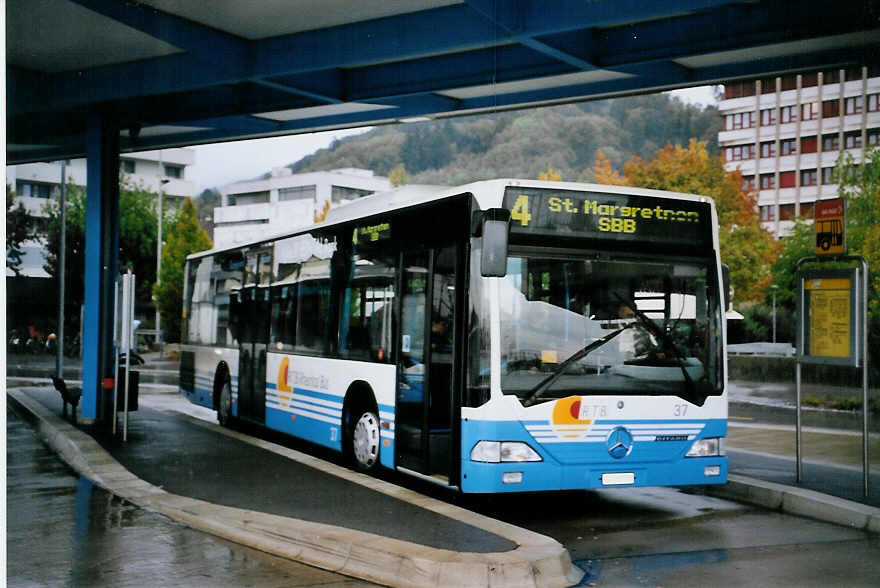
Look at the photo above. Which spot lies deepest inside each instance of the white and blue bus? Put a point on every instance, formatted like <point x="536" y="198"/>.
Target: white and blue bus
<point x="506" y="335"/>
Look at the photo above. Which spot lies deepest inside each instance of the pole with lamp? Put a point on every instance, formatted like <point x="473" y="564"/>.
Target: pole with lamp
<point x="162" y="181"/>
<point x="774" y="287"/>
<point x="62" y="253"/>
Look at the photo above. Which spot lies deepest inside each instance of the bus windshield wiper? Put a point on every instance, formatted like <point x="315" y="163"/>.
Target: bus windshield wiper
<point x="545" y="384"/>
<point x="667" y="342"/>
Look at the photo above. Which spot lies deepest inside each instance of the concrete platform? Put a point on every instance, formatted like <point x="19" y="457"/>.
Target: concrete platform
<point x="296" y="506"/>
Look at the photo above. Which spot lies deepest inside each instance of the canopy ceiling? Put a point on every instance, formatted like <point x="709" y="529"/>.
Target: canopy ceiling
<point x="179" y="72"/>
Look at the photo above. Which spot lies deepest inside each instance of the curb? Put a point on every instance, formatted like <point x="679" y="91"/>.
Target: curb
<point x="799" y="501"/>
<point x="537" y="561"/>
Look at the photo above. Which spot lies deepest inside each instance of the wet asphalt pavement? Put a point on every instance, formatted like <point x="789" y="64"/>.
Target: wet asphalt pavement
<point x="61" y="530"/>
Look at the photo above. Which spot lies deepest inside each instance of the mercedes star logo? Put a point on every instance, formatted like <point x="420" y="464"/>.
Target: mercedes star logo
<point x="619" y="443"/>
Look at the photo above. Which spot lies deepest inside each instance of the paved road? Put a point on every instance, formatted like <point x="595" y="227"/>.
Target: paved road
<point x="63" y="531"/>
<point x="670" y="537"/>
<point x="666" y="537"/>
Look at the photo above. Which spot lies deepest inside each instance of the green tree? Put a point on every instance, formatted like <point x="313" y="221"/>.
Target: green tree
<point x="137" y="238"/>
<point x="19" y="228"/>
<point x="746" y="247"/>
<point x="859" y="185"/>
<point x="185" y="236"/>
<point x="206" y="202"/>
<point x="398" y="176"/>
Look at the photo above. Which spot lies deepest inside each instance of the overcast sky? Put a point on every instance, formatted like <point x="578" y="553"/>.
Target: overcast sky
<point x="224" y="163"/>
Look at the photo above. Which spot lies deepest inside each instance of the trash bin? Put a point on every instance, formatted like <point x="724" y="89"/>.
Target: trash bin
<point x="133" y="383"/>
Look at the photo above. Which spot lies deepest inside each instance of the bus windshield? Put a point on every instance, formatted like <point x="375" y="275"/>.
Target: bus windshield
<point x="616" y="327"/>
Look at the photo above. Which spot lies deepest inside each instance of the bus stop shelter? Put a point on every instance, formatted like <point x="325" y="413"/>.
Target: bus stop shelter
<point x="97" y="78"/>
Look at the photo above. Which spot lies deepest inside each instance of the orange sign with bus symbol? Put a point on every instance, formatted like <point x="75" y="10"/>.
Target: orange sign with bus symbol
<point x="830" y="226"/>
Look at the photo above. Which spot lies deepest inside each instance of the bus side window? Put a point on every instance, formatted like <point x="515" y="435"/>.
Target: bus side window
<point x="367" y="305"/>
<point x="283" y="325"/>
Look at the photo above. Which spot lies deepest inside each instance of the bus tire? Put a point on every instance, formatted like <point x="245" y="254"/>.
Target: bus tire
<point x="224" y="405"/>
<point x="365" y="440"/>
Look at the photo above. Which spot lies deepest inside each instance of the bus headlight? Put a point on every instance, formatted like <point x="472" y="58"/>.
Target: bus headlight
<point x="709" y="447"/>
<point x="503" y="451"/>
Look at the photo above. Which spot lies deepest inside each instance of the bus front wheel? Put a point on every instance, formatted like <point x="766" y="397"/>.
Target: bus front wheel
<point x="365" y="441"/>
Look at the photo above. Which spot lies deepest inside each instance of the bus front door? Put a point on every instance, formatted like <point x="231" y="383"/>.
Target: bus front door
<point x="426" y="412"/>
<point x="254" y="334"/>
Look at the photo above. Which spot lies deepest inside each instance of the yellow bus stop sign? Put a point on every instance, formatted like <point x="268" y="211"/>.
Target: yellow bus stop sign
<point x="829" y="223"/>
<point x="829" y="316"/>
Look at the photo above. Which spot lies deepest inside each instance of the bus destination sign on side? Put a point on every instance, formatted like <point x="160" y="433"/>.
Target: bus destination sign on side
<point x="608" y="216"/>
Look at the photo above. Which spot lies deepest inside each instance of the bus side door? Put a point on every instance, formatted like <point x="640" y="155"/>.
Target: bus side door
<point x="252" y="344"/>
<point x="426" y="427"/>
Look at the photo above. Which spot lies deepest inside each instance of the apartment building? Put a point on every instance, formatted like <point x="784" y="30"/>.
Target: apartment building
<point x="283" y="201"/>
<point x="36" y="184"/>
<point x="785" y="134"/>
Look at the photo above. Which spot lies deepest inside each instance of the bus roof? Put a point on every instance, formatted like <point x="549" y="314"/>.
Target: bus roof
<point x="417" y="194"/>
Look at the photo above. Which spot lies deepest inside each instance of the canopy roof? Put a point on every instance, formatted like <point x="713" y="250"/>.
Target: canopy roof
<point x="177" y="72"/>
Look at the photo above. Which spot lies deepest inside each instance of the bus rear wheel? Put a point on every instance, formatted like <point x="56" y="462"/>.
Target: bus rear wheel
<point x="365" y="441"/>
<point x="224" y="406"/>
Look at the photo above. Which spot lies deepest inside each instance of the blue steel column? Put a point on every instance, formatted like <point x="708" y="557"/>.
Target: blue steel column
<point x="101" y="265"/>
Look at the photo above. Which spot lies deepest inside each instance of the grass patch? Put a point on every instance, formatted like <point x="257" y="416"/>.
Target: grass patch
<point x="851" y="403"/>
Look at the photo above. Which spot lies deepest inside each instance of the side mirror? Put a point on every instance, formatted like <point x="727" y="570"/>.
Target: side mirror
<point x="725" y="283"/>
<point x="493" y="262"/>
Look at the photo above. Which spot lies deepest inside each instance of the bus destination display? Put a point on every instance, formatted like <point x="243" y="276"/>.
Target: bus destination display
<point x="608" y="216"/>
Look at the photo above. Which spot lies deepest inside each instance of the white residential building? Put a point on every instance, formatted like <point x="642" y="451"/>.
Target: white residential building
<point x="36" y="184"/>
<point x="284" y="201"/>
<point x="785" y="135"/>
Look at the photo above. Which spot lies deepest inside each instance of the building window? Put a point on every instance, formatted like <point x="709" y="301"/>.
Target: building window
<point x="852" y="105"/>
<point x="748" y="183"/>
<point x="852" y="140"/>
<point x="787" y="146"/>
<point x="740" y="120"/>
<point x="808" y="177"/>
<point x="828" y="175"/>
<point x="807" y="209"/>
<point x="768" y="149"/>
<point x="788" y="83"/>
<point x="739" y="89"/>
<point x="127" y="166"/>
<point x="809" y="80"/>
<point x="342" y="193"/>
<point x="786" y="179"/>
<point x="249" y="198"/>
<point x="33" y="189"/>
<point x="297" y="193"/>
<point x="788" y="114"/>
<point x="738" y="153"/>
<point x="786" y="212"/>
<point x="768" y="213"/>
<point x="830" y="76"/>
<point x="173" y="171"/>
<point x="831" y="142"/>
<point x="808" y="144"/>
<point x="853" y="73"/>
<point x="768" y="117"/>
<point x="830" y="108"/>
<point x="874" y="137"/>
<point x="873" y="102"/>
<point x="809" y="111"/>
<point x="768" y="181"/>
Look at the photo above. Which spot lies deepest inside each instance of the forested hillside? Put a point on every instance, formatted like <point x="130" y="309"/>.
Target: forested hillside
<point x="523" y="143"/>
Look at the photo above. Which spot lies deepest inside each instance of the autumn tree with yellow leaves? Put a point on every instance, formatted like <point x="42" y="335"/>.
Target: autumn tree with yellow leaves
<point x="549" y="175"/>
<point x="746" y="247"/>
